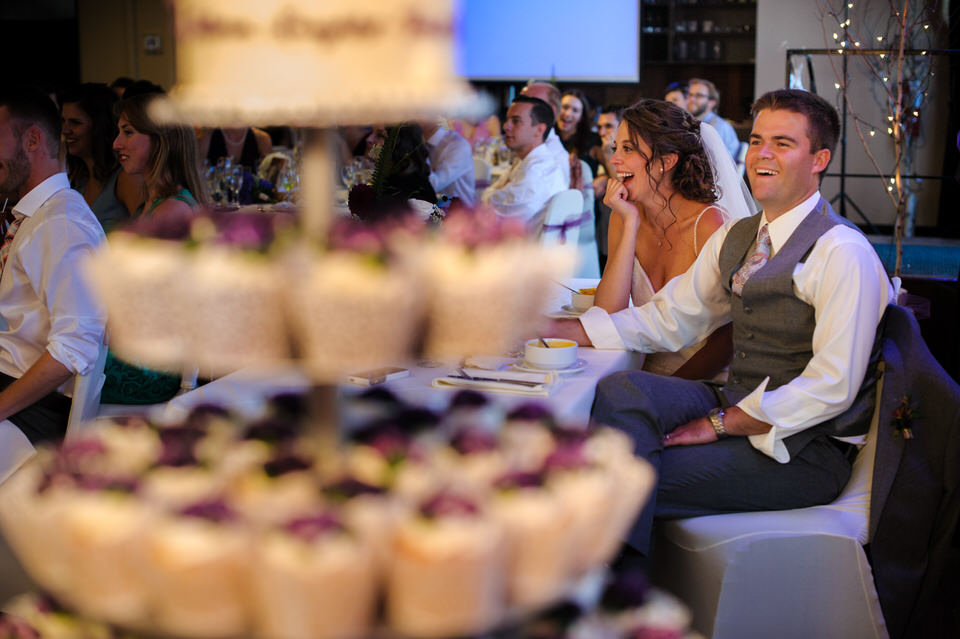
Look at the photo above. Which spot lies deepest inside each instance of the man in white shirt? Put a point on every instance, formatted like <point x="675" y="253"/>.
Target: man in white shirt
<point x="805" y="293"/>
<point x="451" y="162"/>
<point x="524" y="191"/>
<point x="52" y="328"/>
<point x="551" y="95"/>
<point x="702" y="101"/>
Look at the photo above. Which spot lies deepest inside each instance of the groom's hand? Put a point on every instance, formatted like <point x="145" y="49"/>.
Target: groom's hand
<point x="698" y="431"/>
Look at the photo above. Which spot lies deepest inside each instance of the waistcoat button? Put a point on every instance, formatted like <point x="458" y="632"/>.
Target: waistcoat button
<point x="747" y="310"/>
<point x="742" y="355"/>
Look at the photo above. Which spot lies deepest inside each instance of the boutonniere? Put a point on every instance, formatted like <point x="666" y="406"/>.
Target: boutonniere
<point x="903" y="416"/>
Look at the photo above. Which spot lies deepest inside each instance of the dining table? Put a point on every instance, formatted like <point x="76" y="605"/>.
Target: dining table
<point x="570" y="399"/>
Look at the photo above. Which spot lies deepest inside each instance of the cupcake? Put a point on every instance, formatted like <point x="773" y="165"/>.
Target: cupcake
<point x="589" y="494"/>
<point x="447" y="574"/>
<point x="539" y="539"/>
<point x="277" y="490"/>
<point x="142" y="281"/>
<point x="353" y="311"/>
<point x="197" y="563"/>
<point x="105" y="524"/>
<point x="315" y="580"/>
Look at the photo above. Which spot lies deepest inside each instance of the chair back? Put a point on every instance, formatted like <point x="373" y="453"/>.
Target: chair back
<point x="742" y="158"/>
<point x="86" y="395"/>
<point x="562" y="218"/>
<point x="589" y="257"/>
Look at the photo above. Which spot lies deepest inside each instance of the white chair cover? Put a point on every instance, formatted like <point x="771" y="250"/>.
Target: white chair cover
<point x="588" y="264"/>
<point x="481" y="170"/>
<point x="793" y="573"/>
<point x="562" y="219"/>
<point x="86" y="395"/>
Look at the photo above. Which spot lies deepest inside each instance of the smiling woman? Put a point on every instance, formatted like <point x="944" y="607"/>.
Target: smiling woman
<point x="663" y="202"/>
<point x="574" y="126"/>
<point x="166" y="156"/>
<point x="89" y="128"/>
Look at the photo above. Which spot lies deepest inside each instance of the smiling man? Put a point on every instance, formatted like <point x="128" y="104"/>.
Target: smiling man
<point x="52" y="328"/>
<point x="534" y="177"/>
<point x="805" y="293"/>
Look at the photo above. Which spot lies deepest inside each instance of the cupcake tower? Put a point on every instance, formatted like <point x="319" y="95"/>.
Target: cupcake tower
<point x="219" y="528"/>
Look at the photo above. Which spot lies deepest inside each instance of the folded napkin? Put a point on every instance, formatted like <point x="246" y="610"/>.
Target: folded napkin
<point x="546" y="381"/>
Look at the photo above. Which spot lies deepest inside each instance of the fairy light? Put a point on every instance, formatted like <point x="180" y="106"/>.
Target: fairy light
<point x="843" y="43"/>
<point x="892" y="181"/>
<point x="889" y="188"/>
<point x="850" y="5"/>
<point x="836" y="85"/>
<point x="882" y="56"/>
<point x="889" y="131"/>
<point x="926" y="26"/>
<point x="857" y="44"/>
<point x="885" y="78"/>
<point x="836" y="37"/>
<point x="889" y="117"/>
<point x="879" y="38"/>
<point x="916" y="114"/>
<point x="923" y="53"/>
<point x="873" y="132"/>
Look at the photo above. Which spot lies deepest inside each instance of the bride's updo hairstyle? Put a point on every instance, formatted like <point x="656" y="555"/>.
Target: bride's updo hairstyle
<point x="666" y="128"/>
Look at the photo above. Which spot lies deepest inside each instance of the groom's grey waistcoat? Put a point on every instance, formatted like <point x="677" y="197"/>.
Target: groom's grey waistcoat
<point x="772" y="327"/>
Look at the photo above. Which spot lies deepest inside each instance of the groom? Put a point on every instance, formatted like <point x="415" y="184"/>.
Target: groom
<point x="806" y="294"/>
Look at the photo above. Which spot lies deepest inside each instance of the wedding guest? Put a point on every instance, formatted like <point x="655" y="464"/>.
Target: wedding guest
<point x="574" y="126"/>
<point x="664" y="200"/>
<point x="608" y="121"/>
<point x="53" y="326"/>
<point x="165" y="155"/>
<point x="451" y="162"/>
<point x="805" y="292"/>
<point x="245" y="146"/>
<point x="524" y="191"/>
<point x="676" y="92"/>
<point x="89" y="128"/>
<point x="702" y="101"/>
<point x="477" y="132"/>
<point x="551" y="95"/>
<point x="409" y="174"/>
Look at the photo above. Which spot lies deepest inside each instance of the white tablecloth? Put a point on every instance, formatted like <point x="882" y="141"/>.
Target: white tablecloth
<point x="245" y="390"/>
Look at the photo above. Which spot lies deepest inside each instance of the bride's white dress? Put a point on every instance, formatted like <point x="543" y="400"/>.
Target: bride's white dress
<point x="641" y="290"/>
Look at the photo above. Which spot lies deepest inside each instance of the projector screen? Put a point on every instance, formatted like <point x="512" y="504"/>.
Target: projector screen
<point x="564" y="40"/>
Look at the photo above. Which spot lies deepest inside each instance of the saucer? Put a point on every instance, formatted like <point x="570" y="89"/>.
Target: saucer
<point x="565" y="312"/>
<point x="522" y="365"/>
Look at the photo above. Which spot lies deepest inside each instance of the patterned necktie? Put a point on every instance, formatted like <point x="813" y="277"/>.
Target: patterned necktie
<point x="755" y="262"/>
<point x="12" y="227"/>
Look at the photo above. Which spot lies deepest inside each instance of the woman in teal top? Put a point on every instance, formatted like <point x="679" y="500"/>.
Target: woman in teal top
<point x="167" y="158"/>
<point x="165" y="155"/>
<point x="89" y="128"/>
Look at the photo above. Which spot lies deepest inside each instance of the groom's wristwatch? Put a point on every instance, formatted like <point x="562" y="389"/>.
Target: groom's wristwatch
<point x="716" y="419"/>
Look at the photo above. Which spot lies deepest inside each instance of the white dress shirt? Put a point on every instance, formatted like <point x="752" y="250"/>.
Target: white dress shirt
<point x="45" y="301"/>
<point x="842" y="278"/>
<point x="560" y="155"/>
<point x="451" y="165"/>
<point x="525" y="190"/>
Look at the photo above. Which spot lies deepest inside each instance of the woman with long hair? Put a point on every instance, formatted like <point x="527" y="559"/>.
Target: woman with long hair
<point x="164" y="154"/>
<point x="89" y="128"/>
<point x="664" y="199"/>
<point x="574" y="126"/>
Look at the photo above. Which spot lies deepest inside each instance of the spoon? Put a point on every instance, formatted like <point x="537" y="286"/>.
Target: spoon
<point x="543" y="341"/>
<point x="572" y="290"/>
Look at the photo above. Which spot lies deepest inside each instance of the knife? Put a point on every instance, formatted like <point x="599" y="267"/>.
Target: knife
<point x="519" y="382"/>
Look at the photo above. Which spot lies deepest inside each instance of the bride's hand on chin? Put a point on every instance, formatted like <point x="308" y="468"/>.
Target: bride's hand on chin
<point x="616" y="199"/>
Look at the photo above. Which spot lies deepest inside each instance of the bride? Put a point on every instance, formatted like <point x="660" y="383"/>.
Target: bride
<point x="675" y="185"/>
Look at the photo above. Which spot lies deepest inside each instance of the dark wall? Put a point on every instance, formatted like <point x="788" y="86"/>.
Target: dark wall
<point x="39" y="43"/>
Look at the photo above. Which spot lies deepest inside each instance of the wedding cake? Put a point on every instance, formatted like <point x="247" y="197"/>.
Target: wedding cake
<point x="302" y="62"/>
